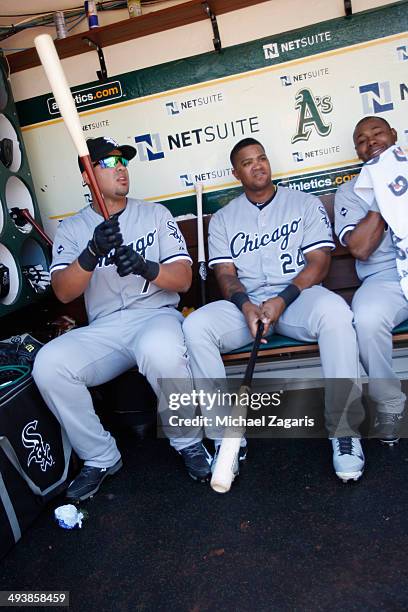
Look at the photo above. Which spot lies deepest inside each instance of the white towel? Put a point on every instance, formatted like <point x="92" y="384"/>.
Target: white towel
<point x="385" y="179"/>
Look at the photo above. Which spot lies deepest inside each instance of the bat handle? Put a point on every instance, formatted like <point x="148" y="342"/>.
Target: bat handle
<point x="86" y="160"/>
<point x="252" y="358"/>
<point x="26" y="214"/>
<point x="202" y="287"/>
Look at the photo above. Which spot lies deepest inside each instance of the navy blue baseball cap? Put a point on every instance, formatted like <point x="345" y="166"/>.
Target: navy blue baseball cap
<point x="104" y="145"/>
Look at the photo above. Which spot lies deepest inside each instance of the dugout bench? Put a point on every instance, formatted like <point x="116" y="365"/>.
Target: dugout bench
<point x="341" y="279"/>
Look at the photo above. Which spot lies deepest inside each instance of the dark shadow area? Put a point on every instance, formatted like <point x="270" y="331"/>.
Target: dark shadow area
<point x="289" y="536"/>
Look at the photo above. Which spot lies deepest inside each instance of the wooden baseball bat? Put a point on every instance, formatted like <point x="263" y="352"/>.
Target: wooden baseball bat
<point x="27" y="216"/>
<point x="56" y="77"/>
<point x="223" y="475"/>
<point x="202" y="268"/>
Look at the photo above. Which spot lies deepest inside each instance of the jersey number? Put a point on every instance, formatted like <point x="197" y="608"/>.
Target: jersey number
<point x="145" y="288"/>
<point x="287" y="262"/>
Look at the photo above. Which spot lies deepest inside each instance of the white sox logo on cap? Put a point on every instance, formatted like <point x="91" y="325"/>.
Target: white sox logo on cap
<point x="111" y="141"/>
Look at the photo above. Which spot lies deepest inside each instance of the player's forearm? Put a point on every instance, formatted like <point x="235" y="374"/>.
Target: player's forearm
<point x="174" y="276"/>
<point x="314" y="272"/>
<point x="366" y="236"/>
<point x="70" y="283"/>
<point x="228" y="284"/>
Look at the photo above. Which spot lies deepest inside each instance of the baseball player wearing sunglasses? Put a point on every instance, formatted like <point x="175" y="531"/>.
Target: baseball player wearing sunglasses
<point x="130" y="269"/>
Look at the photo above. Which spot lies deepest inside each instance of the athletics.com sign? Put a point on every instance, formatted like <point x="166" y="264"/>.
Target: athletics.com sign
<point x="91" y="96"/>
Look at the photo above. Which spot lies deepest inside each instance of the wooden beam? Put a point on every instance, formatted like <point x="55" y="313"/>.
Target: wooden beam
<point x="128" y="29"/>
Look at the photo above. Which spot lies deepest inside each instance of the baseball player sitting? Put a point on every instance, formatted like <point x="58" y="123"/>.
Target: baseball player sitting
<point x="379" y="304"/>
<point x="270" y="249"/>
<point x="130" y="269"/>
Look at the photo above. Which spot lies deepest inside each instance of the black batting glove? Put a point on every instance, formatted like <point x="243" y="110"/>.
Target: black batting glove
<point x="129" y="262"/>
<point x="106" y="237"/>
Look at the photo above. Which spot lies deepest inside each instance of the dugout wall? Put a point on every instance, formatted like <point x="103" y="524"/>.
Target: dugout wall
<point x="21" y="249"/>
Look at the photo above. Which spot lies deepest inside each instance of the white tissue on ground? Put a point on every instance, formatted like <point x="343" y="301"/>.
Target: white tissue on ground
<point x="68" y="516"/>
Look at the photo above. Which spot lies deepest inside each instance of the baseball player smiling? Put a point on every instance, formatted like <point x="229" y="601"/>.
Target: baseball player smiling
<point x="379" y="304"/>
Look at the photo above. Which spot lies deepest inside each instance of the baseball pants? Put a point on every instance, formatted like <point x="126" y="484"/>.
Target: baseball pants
<point x="152" y="339"/>
<point x="378" y="306"/>
<point x="317" y="314"/>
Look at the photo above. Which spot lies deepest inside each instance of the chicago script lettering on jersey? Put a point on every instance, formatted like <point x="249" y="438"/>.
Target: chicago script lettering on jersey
<point x="241" y="243"/>
<point x="140" y="246"/>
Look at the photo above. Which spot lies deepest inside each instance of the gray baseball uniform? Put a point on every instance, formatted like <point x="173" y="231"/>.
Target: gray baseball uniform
<point x="267" y="247"/>
<point x="131" y="321"/>
<point x="378" y="305"/>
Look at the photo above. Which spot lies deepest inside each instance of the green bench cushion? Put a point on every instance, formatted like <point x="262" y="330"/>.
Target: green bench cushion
<point x="277" y="341"/>
<point x="401" y="328"/>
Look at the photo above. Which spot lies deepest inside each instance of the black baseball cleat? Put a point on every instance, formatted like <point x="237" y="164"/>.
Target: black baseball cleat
<point x="198" y="461"/>
<point x="387" y="427"/>
<point x="89" y="480"/>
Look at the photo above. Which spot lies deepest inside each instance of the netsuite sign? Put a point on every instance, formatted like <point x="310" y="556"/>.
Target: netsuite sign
<point x="274" y="50"/>
<point x="150" y="147"/>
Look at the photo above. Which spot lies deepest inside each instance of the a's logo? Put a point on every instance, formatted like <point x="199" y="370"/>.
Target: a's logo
<point x="149" y="147"/>
<point x="271" y="50"/>
<point x="60" y="249"/>
<point x="344" y="211"/>
<point x="40" y="452"/>
<point x="402" y="53"/>
<point x="286" y="81"/>
<point x="311" y="109"/>
<point x="172" y="108"/>
<point x="186" y="180"/>
<point x="297" y="156"/>
<point x="399" y="186"/>
<point x="376" y="97"/>
<point x="174" y="231"/>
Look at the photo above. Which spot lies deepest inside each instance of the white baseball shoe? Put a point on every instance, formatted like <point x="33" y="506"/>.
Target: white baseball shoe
<point x="387" y="426"/>
<point x="348" y="458"/>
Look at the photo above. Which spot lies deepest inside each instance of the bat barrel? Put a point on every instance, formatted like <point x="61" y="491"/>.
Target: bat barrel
<point x="53" y="69"/>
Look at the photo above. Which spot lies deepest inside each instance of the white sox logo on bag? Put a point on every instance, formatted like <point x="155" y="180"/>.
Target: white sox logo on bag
<point x="40" y="452"/>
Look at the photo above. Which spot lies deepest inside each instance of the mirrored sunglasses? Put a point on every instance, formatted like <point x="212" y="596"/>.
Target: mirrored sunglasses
<point x="112" y="161"/>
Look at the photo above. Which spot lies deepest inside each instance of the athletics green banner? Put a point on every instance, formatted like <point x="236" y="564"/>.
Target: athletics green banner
<point x="299" y="93"/>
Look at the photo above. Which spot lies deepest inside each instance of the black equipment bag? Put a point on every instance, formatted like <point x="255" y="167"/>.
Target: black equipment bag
<point x="34" y="456"/>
